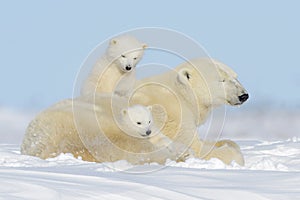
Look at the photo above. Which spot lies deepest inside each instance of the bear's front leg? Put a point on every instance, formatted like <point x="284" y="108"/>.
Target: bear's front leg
<point x="175" y="150"/>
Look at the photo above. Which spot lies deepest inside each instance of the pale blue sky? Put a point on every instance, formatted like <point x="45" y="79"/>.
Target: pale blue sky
<point x="43" y="43"/>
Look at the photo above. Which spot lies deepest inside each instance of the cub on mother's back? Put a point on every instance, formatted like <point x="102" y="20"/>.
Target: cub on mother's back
<point x="117" y="64"/>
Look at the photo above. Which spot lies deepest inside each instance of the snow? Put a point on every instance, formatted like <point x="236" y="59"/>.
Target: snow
<point x="272" y="169"/>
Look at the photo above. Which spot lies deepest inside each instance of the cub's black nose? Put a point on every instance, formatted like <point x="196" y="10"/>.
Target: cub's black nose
<point x="128" y="67"/>
<point x="243" y="98"/>
<point x="148" y="132"/>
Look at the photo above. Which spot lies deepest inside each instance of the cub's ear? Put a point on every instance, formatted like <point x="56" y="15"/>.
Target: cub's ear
<point x="144" y="46"/>
<point x="113" y="41"/>
<point x="184" y="75"/>
<point x="149" y="108"/>
<point x="124" y="112"/>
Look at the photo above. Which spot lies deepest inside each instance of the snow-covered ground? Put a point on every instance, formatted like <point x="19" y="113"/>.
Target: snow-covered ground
<point x="272" y="169"/>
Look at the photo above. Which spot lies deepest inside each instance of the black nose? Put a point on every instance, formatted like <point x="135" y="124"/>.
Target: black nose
<point x="128" y="67"/>
<point x="148" y="132"/>
<point x="243" y="98"/>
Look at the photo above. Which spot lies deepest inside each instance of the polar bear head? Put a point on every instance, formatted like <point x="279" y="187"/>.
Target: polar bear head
<point x="126" y="51"/>
<point x="137" y="120"/>
<point x="235" y="93"/>
<point x="212" y="83"/>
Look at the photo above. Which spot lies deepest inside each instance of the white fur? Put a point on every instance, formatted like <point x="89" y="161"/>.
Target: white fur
<point x="117" y="64"/>
<point x="188" y="94"/>
<point x="103" y="131"/>
<point x="140" y="118"/>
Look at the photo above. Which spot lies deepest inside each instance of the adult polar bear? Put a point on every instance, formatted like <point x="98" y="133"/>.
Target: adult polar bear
<point x="102" y="132"/>
<point x="188" y="94"/>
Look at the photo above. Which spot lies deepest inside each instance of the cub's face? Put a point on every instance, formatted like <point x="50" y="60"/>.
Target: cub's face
<point x="128" y="61"/>
<point x="126" y="52"/>
<point x="139" y="120"/>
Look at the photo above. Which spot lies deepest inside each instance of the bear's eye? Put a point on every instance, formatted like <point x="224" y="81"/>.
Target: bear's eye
<point x="222" y="81"/>
<point x="122" y="56"/>
<point x="188" y="76"/>
<point x="149" y="121"/>
<point x="138" y="123"/>
<point x="135" y="58"/>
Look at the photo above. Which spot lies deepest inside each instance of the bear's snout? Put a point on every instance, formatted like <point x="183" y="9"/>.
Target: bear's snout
<point x="243" y="98"/>
<point x="128" y="67"/>
<point x="148" y="132"/>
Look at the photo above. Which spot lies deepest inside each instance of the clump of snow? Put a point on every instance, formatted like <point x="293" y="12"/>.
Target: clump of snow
<point x="278" y="155"/>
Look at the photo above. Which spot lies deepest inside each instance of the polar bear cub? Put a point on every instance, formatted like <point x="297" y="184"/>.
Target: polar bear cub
<point x="139" y="119"/>
<point x="115" y="70"/>
<point x="141" y="123"/>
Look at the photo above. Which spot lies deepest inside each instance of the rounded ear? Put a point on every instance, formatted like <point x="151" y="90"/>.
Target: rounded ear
<point x="113" y="41"/>
<point x="144" y="46"/>
<point x="184" y="75"/>
<point x="149" y="108"/>
<point x="225" y="70"/>
<point x="124" y="112"/>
